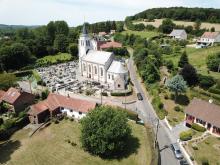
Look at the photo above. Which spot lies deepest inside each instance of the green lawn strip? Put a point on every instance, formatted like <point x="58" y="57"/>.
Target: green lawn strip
<point x="144" y="34"/>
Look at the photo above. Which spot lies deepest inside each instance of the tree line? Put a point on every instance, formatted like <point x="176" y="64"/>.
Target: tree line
<point x="180" y="13"/>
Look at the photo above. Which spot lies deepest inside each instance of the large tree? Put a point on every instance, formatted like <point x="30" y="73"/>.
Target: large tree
<point x="176" y="85"/>
<point x="213" y="62"/>
<point x="61" y="43"/>
<point x="189" y="74"/>
<point x="183" y="60"/>
<point x="73" y="50"/>
<point x="167" y="26"/>
<point x="105" y="131"/>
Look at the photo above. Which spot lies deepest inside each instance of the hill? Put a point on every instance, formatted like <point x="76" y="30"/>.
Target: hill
<point x="179" y="13"/>
<point x="5" y="27"/>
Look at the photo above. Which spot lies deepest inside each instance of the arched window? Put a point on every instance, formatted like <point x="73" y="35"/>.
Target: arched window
<point x="101" y="72"/>
<point x="112" y="77"/>
<point x="89" y="68"/>
<point x="84" y="67"/>
<point x="95" y="68"/>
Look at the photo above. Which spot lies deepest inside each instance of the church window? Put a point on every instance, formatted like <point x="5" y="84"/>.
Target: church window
<point x="101" y="72"/>
<point x="108" y="76"/>
<point x="95" y="69"/>
<point x="119" y="85"/>
<point x="84" y="67"/>
<point x="89" y="68"/>
<point x="88" y="43"/>
<point x="112" y="77"/>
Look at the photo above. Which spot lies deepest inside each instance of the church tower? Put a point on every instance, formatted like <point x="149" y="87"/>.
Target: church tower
<point x="84" y="45"/>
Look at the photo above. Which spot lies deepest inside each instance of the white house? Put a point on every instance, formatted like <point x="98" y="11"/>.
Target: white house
<point x="209" y="38"/>
<point x="179" y="34"/>
<point x="100" y="66"/>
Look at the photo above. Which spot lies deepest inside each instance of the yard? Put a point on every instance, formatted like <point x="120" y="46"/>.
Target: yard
<point x="51" y="146"/>
<point x="212" y="145"/>
<point x="144" y="34"/>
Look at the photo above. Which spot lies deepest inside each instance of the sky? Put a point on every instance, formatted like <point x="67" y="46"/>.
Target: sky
<point x="75" y="12"/>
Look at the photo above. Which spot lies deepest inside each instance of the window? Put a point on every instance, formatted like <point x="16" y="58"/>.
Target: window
<point x="89" y="68"/>
<point x="84" y="67"/>
<point x="101" y="72"/>
<point x="108" y="76"/>
<point x="80" y="113"/>
<point x="95" y="68"/>
<point x="71" y="110"/>
<point x="119" y="85"/>
<point x="112" y="77"/>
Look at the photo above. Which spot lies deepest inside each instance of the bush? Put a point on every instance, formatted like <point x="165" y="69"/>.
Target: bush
<point x="160" y="105"/>
<point x="192" y="158"/>
<point x="198" y="127"/>
<point x="8" y="124"/>
<point x="121" y="93"/>
<point x="195" y="147"/>
<point x="166" y="96"/>
<point x="104" y="94"/>
<point x="214" y="90"/>
<point x="205" y="161"/>
<point x="177" y="108"/>
<point x="186" y="135"/>
<point x="206" y="81"/>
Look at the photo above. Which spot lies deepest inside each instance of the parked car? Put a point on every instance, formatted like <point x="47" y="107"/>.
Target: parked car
<point x="139" y="96"/>
<point x="178" y="154"/>
<point x="183" y="162"/>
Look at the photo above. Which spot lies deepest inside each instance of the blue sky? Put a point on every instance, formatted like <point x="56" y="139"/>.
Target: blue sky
<point x="39" y="12"/>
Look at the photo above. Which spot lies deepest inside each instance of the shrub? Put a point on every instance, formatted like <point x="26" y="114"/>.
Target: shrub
<point x="186" y="135"/>
<point x="122" y="93"/>
<point x="205" y="161"/>
<point x="198" y="127"/>
<point x="160" y="105"/>
<point x="192" y="158"/>
<point x="206" y="81"/>
<point x="166" y="96"/>
<point x="195" y="147"/>
<point x="177" y="108"/>
<point x="214" y="90"/>
<point x="104" y="94"/>
<point x="8" y="124"/>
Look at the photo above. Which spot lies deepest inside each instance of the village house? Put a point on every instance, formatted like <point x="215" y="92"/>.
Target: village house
<point x="209" y="38"/>
<point x="16" y="99"/>
<point x="205" y="114"/>
<point x="111" y="44"/>
<point x="57" y="104"/>
<point x="178" y="34"/>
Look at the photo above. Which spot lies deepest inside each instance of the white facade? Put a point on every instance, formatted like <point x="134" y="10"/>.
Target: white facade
<point x="100" y="66"/>
<point x="209" y="38"/>
<point x="74" y="114"/>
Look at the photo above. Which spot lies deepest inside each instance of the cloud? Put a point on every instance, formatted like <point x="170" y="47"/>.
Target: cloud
<point x="38" y="12"/>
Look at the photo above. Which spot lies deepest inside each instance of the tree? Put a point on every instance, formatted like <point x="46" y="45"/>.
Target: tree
<point x="189" y="74"/>
<point x="213" y="62"/>
<point x="206" y="81"/>
<point x="197" y="25"/>
<point x="50" y="30"/>
<point x="61" y="28"/>
<point x="7" y="80"/>
<point x="150" y="74"/>
<point x="183" y="60"/>
<point x="177" y="85"/>
<point x="73" y="50"/>
<point x="61" y="43"/>
<point x="105" y="131"/>
<point x="213" y="29"/>
<point x="167" y="26"/>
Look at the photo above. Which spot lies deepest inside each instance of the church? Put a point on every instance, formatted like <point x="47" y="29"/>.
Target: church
<point x="100" y="66"/>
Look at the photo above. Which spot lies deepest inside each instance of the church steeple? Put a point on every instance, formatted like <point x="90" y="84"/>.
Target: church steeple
<point x="84" y="30"/>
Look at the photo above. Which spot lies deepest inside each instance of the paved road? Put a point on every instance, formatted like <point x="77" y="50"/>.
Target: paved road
<point x="147" y="112"/>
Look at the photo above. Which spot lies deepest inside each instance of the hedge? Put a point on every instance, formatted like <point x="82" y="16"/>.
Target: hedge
<point x="122" y="93"/>
<point x="198" y="127"/>
<point x="186" y="135"/>
<point x="214" y="90"/>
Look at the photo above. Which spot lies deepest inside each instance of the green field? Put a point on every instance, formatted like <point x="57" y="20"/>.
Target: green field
<point x="212" y="145"/>
<point x="53" y="59"/>
<point x="144" y="34"/>
<point x="197" y="57"/>
<point x="50" y="147"/>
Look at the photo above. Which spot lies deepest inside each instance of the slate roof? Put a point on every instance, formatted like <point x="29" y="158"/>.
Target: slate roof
<point x="117" y="67"/>
<point x="205" y="111"/>
<point x="177" y="32"/>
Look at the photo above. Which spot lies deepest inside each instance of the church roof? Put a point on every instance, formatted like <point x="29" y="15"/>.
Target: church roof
<point x="84" y="30"/>
<point x="117" y="67"/>
<point x="99" y="57"/>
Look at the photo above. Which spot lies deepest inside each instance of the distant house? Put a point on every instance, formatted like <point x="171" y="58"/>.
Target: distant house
<point x="209" y="38"/>
<point x="56" y="104"/>
<point x="111" y="44"/>
<point x="179" y="34"/>
<point x="17" y="99"/>
<point x="205" y="114"/>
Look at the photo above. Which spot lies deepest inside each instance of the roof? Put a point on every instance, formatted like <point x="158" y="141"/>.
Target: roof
<point x="210" y="35"/>
<point x="205" y="111"/>
<point x="55" y="101"/>
<point x="100" y="57"/>
<point x="2" y="93"/>
<point x="177" y="32"/>
<point x="84" y="30"/>
<point x="102" y="33"/>
<point x="111" y="45"/>
<point x="11" y="95"/>
<point x="117" y="67"/>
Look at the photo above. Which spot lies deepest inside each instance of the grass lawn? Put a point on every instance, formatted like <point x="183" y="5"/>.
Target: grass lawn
<point x="53" y="59"/>
<point x="50" y="147"/>
<point x="197" y="57"/>
<point x="144" y="34"/>
<point x="209" y="149"/>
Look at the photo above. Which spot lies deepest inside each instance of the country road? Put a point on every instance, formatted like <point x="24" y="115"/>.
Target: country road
<point x="148" y="115"/>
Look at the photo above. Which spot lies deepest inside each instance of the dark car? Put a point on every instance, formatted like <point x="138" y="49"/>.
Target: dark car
<point x="183" y="162"/>
<point x="176" y="150"/>
<point x="139" y="96"/>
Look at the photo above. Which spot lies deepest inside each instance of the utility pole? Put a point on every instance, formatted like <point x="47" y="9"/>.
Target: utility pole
<point x="155" y="143"/>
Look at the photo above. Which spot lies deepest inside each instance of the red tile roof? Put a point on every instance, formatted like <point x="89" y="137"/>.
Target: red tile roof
<point x="55" y="101"/>
<point x="205" y="111"/>
<point x="11" y="95"/>
<point x="111" y="45"/>
<point x="210" y="35"/>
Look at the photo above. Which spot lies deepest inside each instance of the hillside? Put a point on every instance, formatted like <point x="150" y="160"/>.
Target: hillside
<point x="3" y="26"/>
<point x="180" y="13"/>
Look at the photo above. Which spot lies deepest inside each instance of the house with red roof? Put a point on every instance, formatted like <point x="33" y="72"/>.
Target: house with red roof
<point x="16" y="99"/>
<point x="111" y="44"/>
<point x="209" y="38"/>
<point x="56" y="104"/>
<point x="204" y="113"/>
